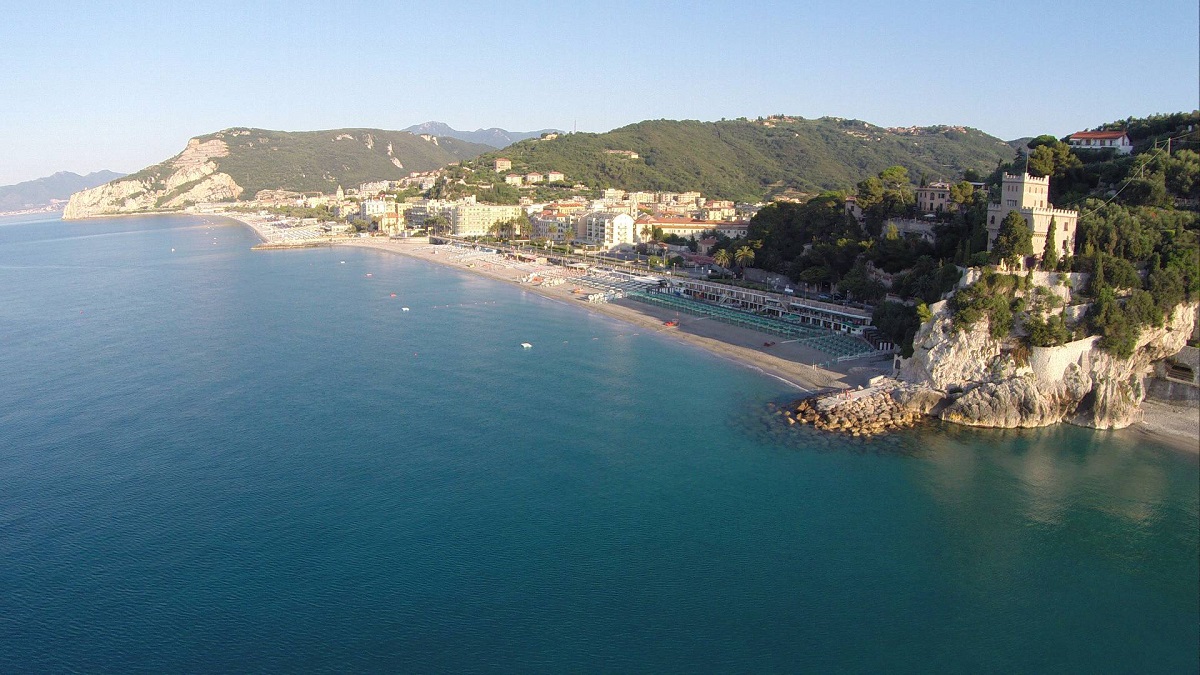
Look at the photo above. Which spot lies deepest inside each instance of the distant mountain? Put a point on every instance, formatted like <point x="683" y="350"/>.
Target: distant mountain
<point x="33" y="194"/>
<point x="238" y="163"/>
<point x="497" y="138"/>
<point x="752" y="159"/>
<point x="1021" y="144"/>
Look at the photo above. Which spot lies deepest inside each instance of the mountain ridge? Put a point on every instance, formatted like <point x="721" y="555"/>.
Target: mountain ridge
<point x="496" y="137"/>
<point x="42" y="192"/>
<point x="239" y="162"/>
<point x="750" y="160"/>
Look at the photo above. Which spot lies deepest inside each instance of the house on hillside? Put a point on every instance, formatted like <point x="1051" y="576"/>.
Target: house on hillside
<point x="934" y="198"/>
<point x="854" y="210"/>
<point x="503" y="164"/>
<point x="1101" y="140"/>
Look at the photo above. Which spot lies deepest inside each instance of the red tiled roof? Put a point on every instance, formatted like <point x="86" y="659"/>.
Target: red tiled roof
<point x="1097" y="135"/>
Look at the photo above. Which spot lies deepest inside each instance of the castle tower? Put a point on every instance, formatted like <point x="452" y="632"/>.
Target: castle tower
<point x="1030" y="197"/>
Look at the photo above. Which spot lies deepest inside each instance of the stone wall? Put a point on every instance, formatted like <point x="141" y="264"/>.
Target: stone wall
<point x="1050" y="363"/>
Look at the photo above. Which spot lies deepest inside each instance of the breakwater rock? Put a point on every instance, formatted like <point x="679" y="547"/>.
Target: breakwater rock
<point x="883" y="407"/>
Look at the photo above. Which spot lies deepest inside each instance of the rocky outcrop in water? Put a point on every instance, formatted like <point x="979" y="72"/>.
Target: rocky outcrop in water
<point x="885" y="406"/>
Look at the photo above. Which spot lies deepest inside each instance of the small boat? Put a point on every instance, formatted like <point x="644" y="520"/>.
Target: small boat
<point x="393" y="295"/>
<point x="403" y="309"/>
<point x="526" y="345"/>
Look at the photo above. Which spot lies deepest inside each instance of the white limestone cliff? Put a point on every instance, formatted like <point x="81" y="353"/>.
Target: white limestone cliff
<point x="984" y="385"/>
<point x="188" y="178"/>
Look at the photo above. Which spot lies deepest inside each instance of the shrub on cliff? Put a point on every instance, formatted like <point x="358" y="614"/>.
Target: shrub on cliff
<point x="992" y="297"/>
<point x="1049" y="332"/>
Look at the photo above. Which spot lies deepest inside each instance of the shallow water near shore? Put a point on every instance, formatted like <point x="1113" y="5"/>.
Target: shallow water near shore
<point x="213" y="459"/>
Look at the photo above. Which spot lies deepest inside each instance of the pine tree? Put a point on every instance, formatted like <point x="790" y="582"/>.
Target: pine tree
<point x="1013" y="241"/>
<point x="1050" y="254"/>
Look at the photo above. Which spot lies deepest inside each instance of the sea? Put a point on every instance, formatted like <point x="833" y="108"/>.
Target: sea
<point x="214" y="459"/>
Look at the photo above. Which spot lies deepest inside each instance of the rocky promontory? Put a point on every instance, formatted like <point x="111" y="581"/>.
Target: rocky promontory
<point x="991" y="382"/>
<point x="189" y="178"/>
<point x="966" y="375"/>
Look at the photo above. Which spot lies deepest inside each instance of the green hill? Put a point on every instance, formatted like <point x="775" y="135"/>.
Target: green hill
<point x="310" y="161"/>
<point x="238" y="163"/>
<point x="751" y="159"/>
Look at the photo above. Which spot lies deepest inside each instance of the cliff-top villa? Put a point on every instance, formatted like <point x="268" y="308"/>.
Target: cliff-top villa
<point x="1101" y="140"/>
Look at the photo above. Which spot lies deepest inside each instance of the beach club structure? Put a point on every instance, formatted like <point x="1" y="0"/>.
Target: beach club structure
<point x="835" y="330"/>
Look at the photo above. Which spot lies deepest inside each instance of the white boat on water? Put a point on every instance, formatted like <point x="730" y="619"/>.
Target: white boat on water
<point x="526" y="345"/>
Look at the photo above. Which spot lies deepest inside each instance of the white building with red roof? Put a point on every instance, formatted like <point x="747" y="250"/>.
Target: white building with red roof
<point x="689" y="228"/>
<point x="1101" y="140"/>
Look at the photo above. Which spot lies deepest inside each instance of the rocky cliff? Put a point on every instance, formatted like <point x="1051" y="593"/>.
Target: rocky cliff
<point x="996" y="383"/>
<point x="239" y="163"/>
<point x="190" y="177"/>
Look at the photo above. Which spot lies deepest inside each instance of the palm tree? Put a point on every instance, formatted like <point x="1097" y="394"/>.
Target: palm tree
<point x="721" y="257"/>
<point x="744" y="256"/>
<point x="646" y="232"/>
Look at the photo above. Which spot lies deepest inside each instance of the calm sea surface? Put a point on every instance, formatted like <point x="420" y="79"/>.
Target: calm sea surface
<point x="219" y="460"/>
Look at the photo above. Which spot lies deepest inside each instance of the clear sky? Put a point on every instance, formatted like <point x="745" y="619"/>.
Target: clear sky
<point x="121" y="85"/>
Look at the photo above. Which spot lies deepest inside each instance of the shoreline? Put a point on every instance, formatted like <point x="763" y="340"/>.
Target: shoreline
<point x="738" y="345"/>
<point x="1175" y="426"/>
<point x="1170" y="426"/>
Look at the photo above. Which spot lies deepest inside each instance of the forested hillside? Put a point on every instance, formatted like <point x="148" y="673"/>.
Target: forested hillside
<point x="752" y="159"/>
<point x="259" y="159"/>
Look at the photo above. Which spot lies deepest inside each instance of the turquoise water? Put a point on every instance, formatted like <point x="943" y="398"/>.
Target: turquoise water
<point x="221" y="460"/>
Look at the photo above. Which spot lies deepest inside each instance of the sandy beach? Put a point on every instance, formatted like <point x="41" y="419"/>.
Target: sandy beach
<point x="791" y="363"/>
<point x="1175" y="425"/>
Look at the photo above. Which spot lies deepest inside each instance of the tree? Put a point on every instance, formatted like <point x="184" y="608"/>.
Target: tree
<point x="1183" y="174"/>
<point x="522" y="225"/>
<point x="721" y="258"/>
<point x="647" y="232"/>
<point x="1013" y="241"/>
<point x="437" y="224"/>
<point x="1051" y="159"/>
<point x="894" y="177"/>
<point x="870" y="192"/>
<point x="1044" y="139"/>
<point x="962" y="192"/>
<point x="744" y="256"/>
<point x="1050" y="253"/>
<point x="860" y="286"/>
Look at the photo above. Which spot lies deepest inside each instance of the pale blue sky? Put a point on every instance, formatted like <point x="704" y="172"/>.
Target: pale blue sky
<point x="120" y="85"/>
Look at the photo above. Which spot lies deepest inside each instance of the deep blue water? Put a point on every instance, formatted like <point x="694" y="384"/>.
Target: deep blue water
<point x="217" y="460"/>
